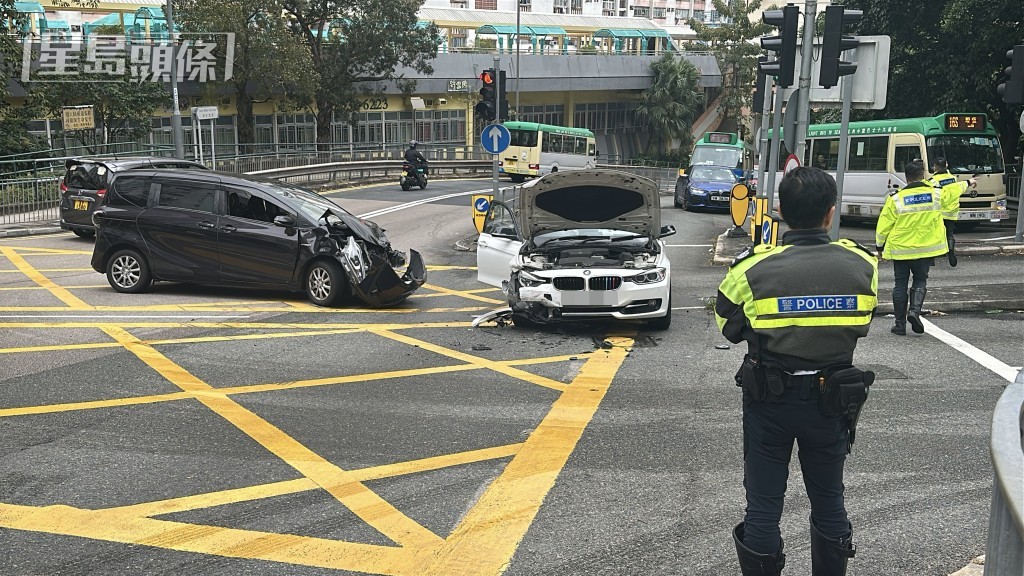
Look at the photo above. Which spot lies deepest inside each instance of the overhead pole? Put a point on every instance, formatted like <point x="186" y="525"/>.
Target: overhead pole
<point x="519" y="5"/>
<point x="806" y="62"/>
<point x="497" y="117"/>
<point x="176" y="132"/>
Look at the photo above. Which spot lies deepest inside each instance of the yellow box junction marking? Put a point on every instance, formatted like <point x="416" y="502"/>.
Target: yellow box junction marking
<point x="482" y="544"/>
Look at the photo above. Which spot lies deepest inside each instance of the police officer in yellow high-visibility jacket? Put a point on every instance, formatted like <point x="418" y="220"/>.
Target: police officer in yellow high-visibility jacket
<point x="911" y="234"/>
<point x="801" y="307"/>
<point x="952" y="191"/>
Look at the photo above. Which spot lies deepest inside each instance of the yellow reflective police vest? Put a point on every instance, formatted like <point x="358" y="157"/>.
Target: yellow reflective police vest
<point x="952" y="190"/>
<point x="910" y="225"/>
<point x="800" y="307"/>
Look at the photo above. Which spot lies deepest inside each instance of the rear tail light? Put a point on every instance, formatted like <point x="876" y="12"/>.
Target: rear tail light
<point x="101" y="192"/>
<point x="63" y="186"/>
<point x="534" y="166"/>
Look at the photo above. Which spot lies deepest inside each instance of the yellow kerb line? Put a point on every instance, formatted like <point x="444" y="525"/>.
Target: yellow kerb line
<point x="362" y="501"/>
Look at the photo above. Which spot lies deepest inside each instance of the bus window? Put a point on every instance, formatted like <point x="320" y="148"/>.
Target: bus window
<point x="581" y="146"/>
<point x="591" y="149"/>
<point x="905" y="155"/>
<point x="868" y="154"/>
<point x="825" y="152"/>
<point x="545" y="145"/>
<point x="526" y="138"/>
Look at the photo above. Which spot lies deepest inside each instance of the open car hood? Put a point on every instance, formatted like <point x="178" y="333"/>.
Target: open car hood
<point x="597" y="198"/>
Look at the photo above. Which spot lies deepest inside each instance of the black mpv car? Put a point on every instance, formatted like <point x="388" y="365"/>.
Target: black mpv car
<point x="87" y="180"/>
<point x="220" y="229"/>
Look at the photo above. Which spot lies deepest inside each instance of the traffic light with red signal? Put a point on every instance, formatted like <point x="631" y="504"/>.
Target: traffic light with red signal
<point x="485" y="109"/>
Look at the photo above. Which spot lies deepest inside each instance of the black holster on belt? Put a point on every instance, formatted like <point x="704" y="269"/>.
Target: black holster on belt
<point x="844" y="393"/>
<point x="758" y="381"/>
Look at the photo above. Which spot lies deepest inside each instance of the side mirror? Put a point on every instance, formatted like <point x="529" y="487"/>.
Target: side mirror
<point x="667" y="230"/>
<point x="285" y="221"/>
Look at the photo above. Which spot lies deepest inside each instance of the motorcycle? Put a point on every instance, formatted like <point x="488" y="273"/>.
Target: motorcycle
<point x="413" y="176"/>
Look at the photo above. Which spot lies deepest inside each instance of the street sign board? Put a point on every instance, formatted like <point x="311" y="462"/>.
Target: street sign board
<point x="495" y="138"/>
<point x="870" y="81"/>
<point x="481" y="204"/>
<point x="769" y="231"/>
<point x="205" y="112"/>
<point x="739" y="204"/>
<point x="78" y="118"/>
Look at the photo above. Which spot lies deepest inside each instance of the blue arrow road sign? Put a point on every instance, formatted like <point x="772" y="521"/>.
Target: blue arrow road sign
<point x="482" y="205"/>
<point x="766" y="231"/>
<point x="495" y="138"/>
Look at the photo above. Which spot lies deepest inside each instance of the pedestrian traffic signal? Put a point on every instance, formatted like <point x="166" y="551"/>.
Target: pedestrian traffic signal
<point x="485" y="109"/>
<point x="785" y="44"/>
<point x="1012" y="90"/>
<point x="502" y="97"/>
<point x="833" y="44"/>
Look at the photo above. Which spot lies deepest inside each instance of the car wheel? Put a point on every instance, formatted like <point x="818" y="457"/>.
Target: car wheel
<point x="128" y="272"/>
<point x="686" y="202"/>
<point x="83" y="233"/>
<point x="325" y="283"/>
<point x="676" y="202"/>
<point x="664" y="322"/>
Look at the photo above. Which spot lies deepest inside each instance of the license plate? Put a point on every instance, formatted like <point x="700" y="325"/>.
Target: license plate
<point x="81" y="204"/>
<point x="405" y="173"/>
<point x="719" y="198"/>
<point x="985" y="215"/>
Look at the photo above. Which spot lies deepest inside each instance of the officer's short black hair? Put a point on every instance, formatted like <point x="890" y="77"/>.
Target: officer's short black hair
<point x="805" y="196"/>
<point x="939" y="163"/>
<point x="914" y="172"/>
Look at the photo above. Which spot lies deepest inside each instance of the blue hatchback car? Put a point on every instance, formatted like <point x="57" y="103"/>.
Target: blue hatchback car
<point x="705" y="186"/>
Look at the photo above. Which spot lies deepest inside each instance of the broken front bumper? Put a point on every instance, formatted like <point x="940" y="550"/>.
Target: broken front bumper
<point x="376" y="282"/>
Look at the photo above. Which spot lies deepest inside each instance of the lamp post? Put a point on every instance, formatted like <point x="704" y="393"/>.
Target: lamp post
<point x="176" y="133"/>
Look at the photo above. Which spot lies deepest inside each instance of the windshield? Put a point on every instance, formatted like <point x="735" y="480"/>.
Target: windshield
<point x="717" y="155"/>
<point x="310" y="204"/>
<point x="595" y="235"/>
<point x="967" y="154"/>
<point x="715" y="174"/>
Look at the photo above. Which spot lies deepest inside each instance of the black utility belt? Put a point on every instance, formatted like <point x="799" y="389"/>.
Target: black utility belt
<point x="840" y="390"/>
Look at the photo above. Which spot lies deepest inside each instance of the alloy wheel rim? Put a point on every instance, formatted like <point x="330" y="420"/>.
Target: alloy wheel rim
<point x="126" y="271"/>
<point x="320" y="283"/>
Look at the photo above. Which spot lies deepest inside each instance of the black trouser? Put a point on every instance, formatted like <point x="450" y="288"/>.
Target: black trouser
<point x="903" y="269"/>
<point x="769" y="429"/>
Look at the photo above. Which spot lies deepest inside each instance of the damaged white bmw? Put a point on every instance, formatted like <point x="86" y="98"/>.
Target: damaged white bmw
<point x="581" y="244"/>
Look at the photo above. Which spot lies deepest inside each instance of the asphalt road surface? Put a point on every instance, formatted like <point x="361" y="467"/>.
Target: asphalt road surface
<point x="213" y="431"/>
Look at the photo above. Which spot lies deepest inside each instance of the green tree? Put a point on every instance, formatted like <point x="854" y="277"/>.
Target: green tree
<point x="669" y="106"/>
<point x="736" y="52"/>
<point x="356" y="46"/>
<point x="268" y="61"/>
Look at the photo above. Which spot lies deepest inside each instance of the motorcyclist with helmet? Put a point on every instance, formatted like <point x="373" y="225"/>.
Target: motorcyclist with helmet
<point x="416" y="159"/>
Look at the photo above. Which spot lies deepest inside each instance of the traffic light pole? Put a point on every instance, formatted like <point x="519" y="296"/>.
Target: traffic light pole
<point x="773" y="150"/>
<point x="844" y="138"/>
<point x="766" y="110"/>
<point x="497" y="120"/>
<point x="806" y="61"/>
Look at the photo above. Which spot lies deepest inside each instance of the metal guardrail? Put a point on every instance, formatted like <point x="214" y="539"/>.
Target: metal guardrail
<point x="374" y="169"/>
<point x="1004" y="554"/>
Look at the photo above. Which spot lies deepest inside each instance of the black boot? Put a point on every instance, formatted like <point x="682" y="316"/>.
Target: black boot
<point x="951" y="255"/>
<point x="900" y="300"/>
<point x="754" y="564"/>
<point x="829" y="556"/>
<point x="914" y="315"/>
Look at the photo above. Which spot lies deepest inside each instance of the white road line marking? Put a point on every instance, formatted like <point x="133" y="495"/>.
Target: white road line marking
<point x="113" y="316"/>
<point x="420" y="202"/>
<point x="689" y="245"/>
<point x="976" y="354"/>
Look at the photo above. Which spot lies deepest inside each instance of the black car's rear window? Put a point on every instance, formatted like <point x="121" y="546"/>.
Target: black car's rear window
<point x="130" y="190"/>
<point x="87" y="176"/>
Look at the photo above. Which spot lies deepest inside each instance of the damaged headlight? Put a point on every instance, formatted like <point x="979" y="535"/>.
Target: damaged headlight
<point x="652" y="276"/>
<point x="529" y="280"/>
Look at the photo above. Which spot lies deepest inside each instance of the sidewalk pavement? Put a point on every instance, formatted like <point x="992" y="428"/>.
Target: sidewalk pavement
<point x="965" y="298"/>
<point x="29" y="228"/>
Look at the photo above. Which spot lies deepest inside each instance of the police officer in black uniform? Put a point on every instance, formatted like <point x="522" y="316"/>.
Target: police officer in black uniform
<point x="801" y="308"/>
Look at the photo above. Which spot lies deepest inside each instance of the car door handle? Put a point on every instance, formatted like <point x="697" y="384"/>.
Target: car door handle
<point x="482" y="244"/>
<point x="228" y="228"/>
<point x="205" y="225"/>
